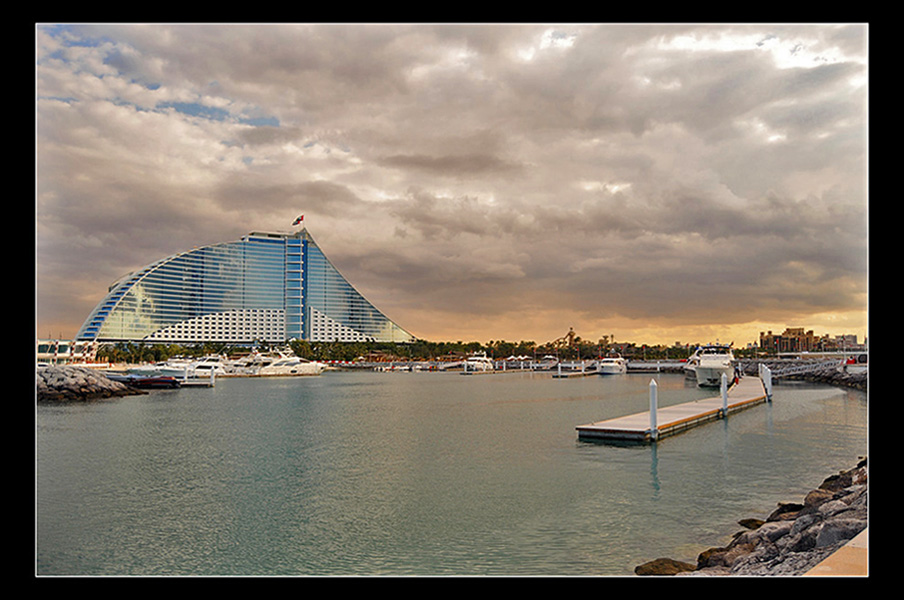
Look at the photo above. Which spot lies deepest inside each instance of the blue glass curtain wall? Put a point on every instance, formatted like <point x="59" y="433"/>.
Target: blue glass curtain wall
<point x="260" y="288"/>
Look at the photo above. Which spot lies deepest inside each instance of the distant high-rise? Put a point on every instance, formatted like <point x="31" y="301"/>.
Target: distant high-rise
<point x="265" y="287"/>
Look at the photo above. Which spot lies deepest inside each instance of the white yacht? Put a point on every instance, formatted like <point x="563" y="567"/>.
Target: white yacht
<point x="613" y="365"/>
<point x="184" y="368"/>
<point x="213" y="364"/>
<point x="478" y="362"/>
<point x="285" y="364"/>
<point x="174" y="367"/>
<point x="714" y="361"/>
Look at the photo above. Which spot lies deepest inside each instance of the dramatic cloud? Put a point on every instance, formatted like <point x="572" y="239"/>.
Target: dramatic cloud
<point x="655" y="182"/>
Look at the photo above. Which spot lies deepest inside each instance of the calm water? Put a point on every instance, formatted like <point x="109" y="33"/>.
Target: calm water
<point x="362" y="473"/>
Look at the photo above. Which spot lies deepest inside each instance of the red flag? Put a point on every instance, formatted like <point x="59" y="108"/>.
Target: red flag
<point x="298" y="220"/>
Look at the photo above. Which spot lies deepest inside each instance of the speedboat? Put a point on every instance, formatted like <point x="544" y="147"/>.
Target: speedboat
<point x="714" y="360"/>
<point x="613" y="365"/>
<point x="478" y="362"/>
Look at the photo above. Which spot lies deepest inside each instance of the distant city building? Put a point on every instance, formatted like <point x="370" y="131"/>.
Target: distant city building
<point x="263" y="288"/>
<point x="795" y="339"/>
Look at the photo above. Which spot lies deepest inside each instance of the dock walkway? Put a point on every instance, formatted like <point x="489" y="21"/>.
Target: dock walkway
<point x="671" y="420"/>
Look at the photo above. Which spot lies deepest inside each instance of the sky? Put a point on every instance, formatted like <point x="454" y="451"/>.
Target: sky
<point x="655" y="183"/>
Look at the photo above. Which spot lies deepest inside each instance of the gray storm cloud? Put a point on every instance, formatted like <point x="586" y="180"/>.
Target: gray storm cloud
<point x="677" y="175"/>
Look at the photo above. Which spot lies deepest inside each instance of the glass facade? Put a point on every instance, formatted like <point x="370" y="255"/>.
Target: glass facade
<point x="266" y="287"/>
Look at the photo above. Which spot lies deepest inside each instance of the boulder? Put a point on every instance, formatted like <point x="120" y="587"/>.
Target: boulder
<point x="751" y="523"/>
<point x="785" y="511"/>
<point x="664" y="566"/>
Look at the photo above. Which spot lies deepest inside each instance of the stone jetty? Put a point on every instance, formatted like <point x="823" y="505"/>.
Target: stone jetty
<point x="823" y="372"/>
<point x="792" y="540"/>
<point x="64" y="383"/>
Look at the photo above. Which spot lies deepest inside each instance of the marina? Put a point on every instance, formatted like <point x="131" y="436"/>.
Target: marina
<point x="451" y="299"/>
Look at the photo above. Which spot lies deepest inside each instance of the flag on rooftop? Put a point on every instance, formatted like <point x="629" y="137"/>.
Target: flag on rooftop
<point x="298" y="220"/>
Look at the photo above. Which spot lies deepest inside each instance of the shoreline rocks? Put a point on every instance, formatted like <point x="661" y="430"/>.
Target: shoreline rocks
<point x="65" y="383"/>
<point x="792" y="540"/>
<point x="827" y="373"/>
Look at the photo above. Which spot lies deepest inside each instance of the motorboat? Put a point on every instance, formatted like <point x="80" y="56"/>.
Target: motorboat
<point x="612" y="365"/>
<point x="279" y="364"/>
<point x="715" y="360"/>
<point x="212" y="365"/>
<point x="244" y="365"/>
<point x="290" y="365"/>
<point x="478" y="362"/>
<point x="183" y="368"/>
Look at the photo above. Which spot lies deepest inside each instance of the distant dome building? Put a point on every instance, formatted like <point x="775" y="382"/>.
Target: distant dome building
<point x="265" y="287"/>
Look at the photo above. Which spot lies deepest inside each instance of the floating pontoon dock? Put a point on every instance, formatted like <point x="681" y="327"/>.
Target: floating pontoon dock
<point x="661" y="422"/>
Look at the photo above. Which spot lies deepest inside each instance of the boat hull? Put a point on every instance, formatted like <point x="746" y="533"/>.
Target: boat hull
<point x="291" y="371"/>
<point x="479" y="365"/>
<point x="711" y="375"/>
<point x="146" y="382"/>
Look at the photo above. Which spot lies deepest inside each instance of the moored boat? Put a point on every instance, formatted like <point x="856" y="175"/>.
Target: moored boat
<point x="290" y="365"/>
<point x="478" y="362"/>
<point x="211" y="365"/>
<point x="275" y="364"/>
<point x="145" y="381"/>
<point x="715" y="360"/>
<point x="184" y="368"/>
<point x="612" y="365"/>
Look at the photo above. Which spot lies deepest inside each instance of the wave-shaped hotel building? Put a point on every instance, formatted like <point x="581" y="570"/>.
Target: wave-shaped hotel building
<point x="263" y="288"/>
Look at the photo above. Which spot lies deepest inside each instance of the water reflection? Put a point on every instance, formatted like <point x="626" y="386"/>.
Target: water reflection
<point x="654" y="470"/>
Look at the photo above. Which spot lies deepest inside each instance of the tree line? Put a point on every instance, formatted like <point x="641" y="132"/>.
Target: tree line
<point x="419" y="350"/>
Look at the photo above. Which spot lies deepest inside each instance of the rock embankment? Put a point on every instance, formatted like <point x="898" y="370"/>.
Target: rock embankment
<point x="827" y="373"/>
<point x="792" y="540"/>
<point x="64" y="383"/>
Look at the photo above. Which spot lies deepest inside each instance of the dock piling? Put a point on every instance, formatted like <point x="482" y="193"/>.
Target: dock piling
<point x="724" y="390"/>
<point x="654" y="403"/>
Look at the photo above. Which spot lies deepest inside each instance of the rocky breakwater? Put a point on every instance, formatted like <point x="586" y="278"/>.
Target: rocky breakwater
<point x="63" y="383"/>
<point x="822" y="372"/>
<point x="792" y="540"/>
